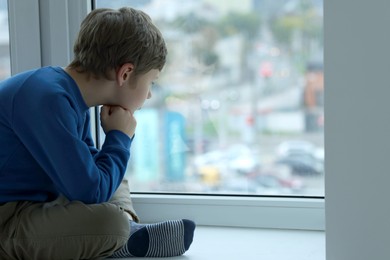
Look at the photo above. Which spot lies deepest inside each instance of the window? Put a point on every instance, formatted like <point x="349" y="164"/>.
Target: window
<point x="238" y="108"/>
<point x="41" y="43"/>
<point x="5" y="67"/>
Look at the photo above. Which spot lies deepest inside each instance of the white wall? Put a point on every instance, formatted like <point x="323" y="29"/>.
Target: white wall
<point x="357" y="134"/>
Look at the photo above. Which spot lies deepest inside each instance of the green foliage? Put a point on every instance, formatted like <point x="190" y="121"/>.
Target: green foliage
<point x="190" y="23"/>
<point x="283" y="28"/>
<point x="246" y="23"/>
<point x="304" y="20"/>
<point x="210" y="129"/>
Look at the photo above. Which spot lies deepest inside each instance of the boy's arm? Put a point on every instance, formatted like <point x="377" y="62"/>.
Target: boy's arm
<point x="87" y="135"/>
<point x="51" y="134"/>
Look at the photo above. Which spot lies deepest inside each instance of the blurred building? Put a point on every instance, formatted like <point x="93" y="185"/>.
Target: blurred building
<point x="313" y="97"/>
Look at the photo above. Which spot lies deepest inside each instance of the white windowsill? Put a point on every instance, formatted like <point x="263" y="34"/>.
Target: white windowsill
<point x="211" y="243"/>
<point x="233" y="211"/>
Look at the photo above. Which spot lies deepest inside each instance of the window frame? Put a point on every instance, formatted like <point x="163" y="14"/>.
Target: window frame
<point x="24" y="41"/>
<point x="43" y="44"/>
<point x="278" y="212"/>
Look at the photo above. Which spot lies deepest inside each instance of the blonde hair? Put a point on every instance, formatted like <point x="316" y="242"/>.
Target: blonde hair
<point x="110" y="38"/>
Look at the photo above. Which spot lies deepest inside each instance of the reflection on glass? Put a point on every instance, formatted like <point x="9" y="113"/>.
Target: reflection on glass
<point x="5" y="67"/>
<point x="239" y="107"/>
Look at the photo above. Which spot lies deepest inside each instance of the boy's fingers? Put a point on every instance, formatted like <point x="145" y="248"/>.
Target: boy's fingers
<point x="114" y="108"/>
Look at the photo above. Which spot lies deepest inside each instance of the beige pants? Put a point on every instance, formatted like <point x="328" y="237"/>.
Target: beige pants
<point x="65" y="230"/>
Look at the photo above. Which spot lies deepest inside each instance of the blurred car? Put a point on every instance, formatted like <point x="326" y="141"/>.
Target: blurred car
<point x="303" y="157"/>
<point x="209" y="167"/>
<point x="295" y="147"/>
<point x="217" y="165"/>
<point x="262" y="184"/>
<point x="273" y="181"/>
<point x="241" y="159"/>
<point x="302" y="164"/>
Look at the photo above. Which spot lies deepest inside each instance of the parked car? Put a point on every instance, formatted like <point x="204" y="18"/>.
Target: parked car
<point x="273" y="181"/>
<point x="295" y="147"/>
<point x="217" y="165"/>
<point x="303" y="157"/>
<point x="241" y="159"/>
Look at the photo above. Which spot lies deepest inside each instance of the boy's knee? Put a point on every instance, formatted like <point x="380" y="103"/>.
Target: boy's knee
<point x="73" y="231"/>
<point x="109" y="230"/>
<point x="111" y="219"/>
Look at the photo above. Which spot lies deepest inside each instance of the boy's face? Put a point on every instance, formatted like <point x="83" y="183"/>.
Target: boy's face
<point x="137" y="90"/>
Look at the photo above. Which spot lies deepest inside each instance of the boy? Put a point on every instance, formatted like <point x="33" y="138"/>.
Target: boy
<point x="60" y="197"/>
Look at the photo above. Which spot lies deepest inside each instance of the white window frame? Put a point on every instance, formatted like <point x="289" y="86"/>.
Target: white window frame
<point x="24" y="38"/>
<point x="234" y="211"/>
<point x="48" y="39"/>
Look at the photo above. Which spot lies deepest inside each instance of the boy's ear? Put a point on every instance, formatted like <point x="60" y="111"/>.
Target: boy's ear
<point x="124" y="73"/>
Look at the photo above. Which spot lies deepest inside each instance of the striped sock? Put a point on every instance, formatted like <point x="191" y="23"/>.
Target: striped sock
<point x="169" y="238"/>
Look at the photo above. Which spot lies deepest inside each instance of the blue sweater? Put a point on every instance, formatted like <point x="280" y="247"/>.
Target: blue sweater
<point x="46" y="148"/>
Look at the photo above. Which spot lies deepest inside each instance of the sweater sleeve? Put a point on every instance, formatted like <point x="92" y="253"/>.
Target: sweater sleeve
<point x="49" y="129"/>
<point x="87" y="135"/>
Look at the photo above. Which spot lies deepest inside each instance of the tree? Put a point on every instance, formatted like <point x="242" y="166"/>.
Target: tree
<point x="303" y="20"/>
<point x="247" y="24"/>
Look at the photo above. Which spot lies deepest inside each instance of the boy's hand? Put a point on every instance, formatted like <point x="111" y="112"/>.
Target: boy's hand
<point x="117" y="118"/>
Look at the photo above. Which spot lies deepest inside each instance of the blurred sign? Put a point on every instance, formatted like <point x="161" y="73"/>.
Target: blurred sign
<point x="145" y="148"/>
<point x="175" y="147"/>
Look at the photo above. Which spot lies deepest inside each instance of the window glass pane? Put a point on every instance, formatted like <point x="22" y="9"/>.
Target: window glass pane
<point x="5" y="67"/>
<point x="239" y="106"/>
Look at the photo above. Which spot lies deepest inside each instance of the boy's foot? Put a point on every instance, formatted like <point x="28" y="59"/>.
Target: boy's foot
<point x="169" y="238"/>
